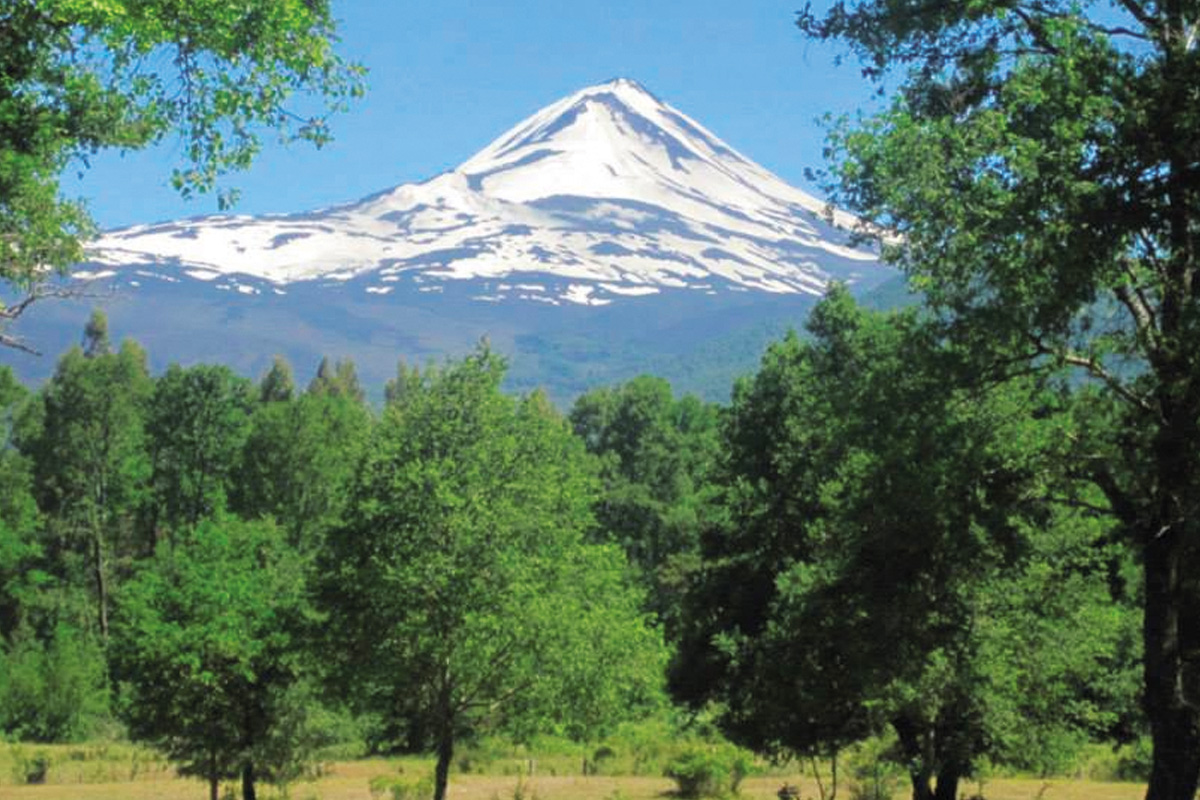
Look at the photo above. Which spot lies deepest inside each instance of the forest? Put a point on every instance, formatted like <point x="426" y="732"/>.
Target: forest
<point x="872" y="541"/>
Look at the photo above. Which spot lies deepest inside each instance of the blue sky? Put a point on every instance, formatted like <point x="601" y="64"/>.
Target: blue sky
<point x="447" y="77"/>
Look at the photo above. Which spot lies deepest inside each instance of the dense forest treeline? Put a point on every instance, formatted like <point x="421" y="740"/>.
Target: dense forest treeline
<point x="873" y="538"/>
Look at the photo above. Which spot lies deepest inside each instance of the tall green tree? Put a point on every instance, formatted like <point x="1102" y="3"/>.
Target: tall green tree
<point x="298" y="460"/>
<point x="82" y="77"/>
<point x="407" y="379"/>
<point x="656" y="452"/>
<point x="197" y="425"/>
<point x="53" y="685"/>
<point x="337" y="379"/>
<point x="1037" y="173"/>
<point x="95" y="335"/>
<point x="461" y="593"/>
<point x="882" y="525"/>
<point x="19" y="546"/>
<point x="277" y="383"/>
<point x="207" y="643"/>
<point x="90" y="459"/>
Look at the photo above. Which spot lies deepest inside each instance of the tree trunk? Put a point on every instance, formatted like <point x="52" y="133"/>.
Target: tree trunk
<point x="214" y="786"/>
<point x="1174" y="721"/>
<point x="445" y="752"/>
<point x="947" y="784"/>
<point x="915" y="749"/>
<point x="1170" y="631"/>
<point x="920" y="784"/>
<point x="101" y="581"/>
<point x="248" y="792"/>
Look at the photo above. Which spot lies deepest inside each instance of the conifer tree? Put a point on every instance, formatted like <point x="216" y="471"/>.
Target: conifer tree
<point x="277" y="384"/>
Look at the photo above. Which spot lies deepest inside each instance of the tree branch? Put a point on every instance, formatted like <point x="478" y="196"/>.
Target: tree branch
<point x="1097" y="371"/>
<point x="1135" y="301"/>
<point x="500" y="699"/>
<point x="1122" y="505"/>
<point x="16" y="343"/>
<point x="1138" y="12"/>
<point x="1037" y="30"/>
<point x="10" y="313"/>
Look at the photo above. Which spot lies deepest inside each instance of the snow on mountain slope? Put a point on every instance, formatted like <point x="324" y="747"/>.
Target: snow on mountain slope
<point x="609" y="193"/>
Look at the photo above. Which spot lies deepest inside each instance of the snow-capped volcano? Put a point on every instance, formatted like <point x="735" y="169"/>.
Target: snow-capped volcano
<point x="609" y="192"/>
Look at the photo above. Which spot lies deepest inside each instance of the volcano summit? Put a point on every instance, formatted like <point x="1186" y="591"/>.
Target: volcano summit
<point x="607" y="194"/>
<point x="609" y="234"/>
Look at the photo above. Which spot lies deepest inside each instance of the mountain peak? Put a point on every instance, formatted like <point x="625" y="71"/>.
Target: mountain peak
<point x="621" y="86"/>
<point x="614" y="139"/>
<point x="619" y="82"/>
<point x="606" y="192"/>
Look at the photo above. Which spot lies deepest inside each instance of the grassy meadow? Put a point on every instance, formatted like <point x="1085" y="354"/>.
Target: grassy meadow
<point x="127" y="772"/>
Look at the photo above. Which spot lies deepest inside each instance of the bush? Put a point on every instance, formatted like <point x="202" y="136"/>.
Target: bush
<point x="51" y="691"/>
<point x="402" y="788"/>
<point x="708" y="771"/>
<point x="30" y="769"/>
<point x="873" y="770"/>
<point x="1133" y="760"/>
<point x="603" y="754"/>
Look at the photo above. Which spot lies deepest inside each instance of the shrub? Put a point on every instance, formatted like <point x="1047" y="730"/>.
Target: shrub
<point x="708" y="771"/>
<point x="30" y="769"/>
<point x="595" y="765"/>
<point x="402" y="788"/>
<point x="51" y="691"/>
<point x="873" y="769"/>
<point x="1133" y="761"/>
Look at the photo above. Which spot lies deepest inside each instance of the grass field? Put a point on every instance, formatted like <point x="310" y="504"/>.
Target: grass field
<point x="122" y="772"/>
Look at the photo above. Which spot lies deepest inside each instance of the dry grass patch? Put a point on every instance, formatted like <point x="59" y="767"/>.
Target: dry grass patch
<point x="350" y="781"/>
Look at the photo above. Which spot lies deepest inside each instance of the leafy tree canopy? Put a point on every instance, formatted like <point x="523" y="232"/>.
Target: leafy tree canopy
<point x="81" y="76"/>
<point x="1037" y="171"/>
<point x="206" y="646"/>
<point x="198" y="422"/>
<point x="87" y="445"/>
<point x="656" y="453"/>
<point x="298" y="460"/>
<point x="884" y="528"/>
<point x="462" y="594"/>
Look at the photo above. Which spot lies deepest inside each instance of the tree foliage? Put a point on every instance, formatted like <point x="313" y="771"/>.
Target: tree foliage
<point x="206" y="644"/>
<point x="198" y="422"/>
<point x="19" y="515"/>
<point x="89" y="457"/>
<point x="656" y="453"/>
<point x="1036" y="170"/>
<point x="883" y="525"/>
<point x="460" y="589"/>
<point x="299" y="458"/>
<point x="82" y="76"/>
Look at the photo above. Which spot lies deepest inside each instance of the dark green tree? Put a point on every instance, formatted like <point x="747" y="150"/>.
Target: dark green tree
<point x="197" y="425"/>
<point x="656" y="453"/>
<point x="461" y="593"/>
<point x="1036" y="173"/>
<point x="19" y="546"/>
<point x="882" y="525"/>
<point x="408" y="379"/>
<point x="207" y="644"/>
<point x="53" y="685"/>
<point x="90" y="460"/>
<point x="339" y="379"/>
<point x="95" y="335"/>
<point x="298" y="461"/>
<point x="277" y="384"/>
<point x="87" y="77"/>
